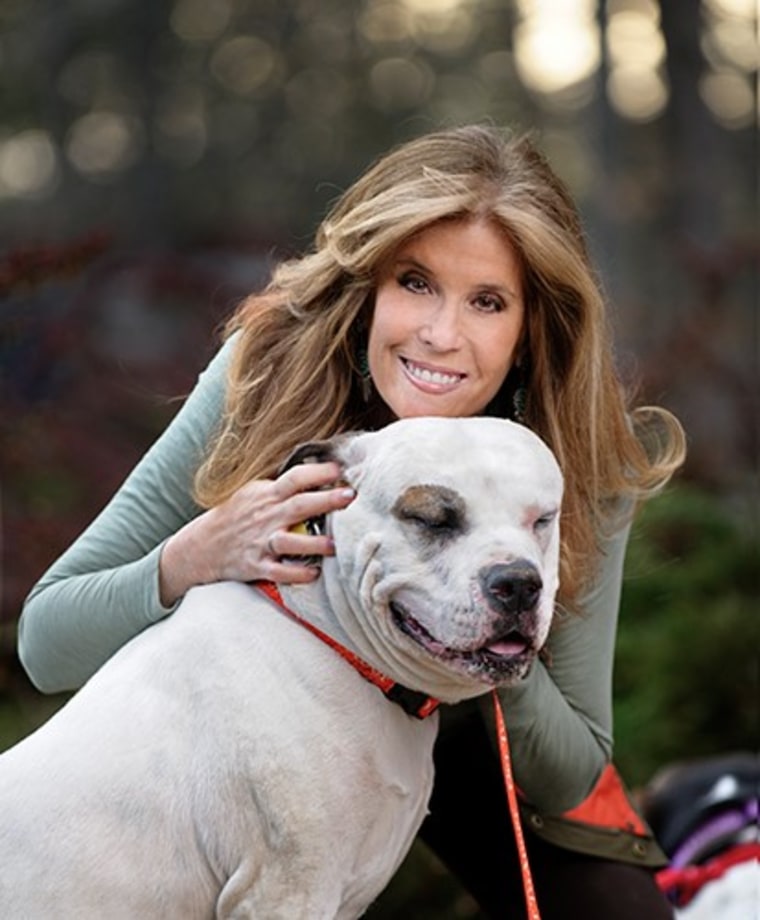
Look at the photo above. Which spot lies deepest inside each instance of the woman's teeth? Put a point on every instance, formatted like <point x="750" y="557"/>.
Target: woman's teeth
<point x="435" y="377"/>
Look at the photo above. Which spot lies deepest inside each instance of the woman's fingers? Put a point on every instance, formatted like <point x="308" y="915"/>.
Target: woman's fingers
<point x="305" y="477"/>
<point x="291" y="545"/>
<point x="255" y="533"/>
<point x="291" y="573"/>
<point x="307" y="492"/>
<point x="307" y="505"/>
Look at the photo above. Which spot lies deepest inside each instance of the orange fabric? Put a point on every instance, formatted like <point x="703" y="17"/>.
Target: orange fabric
<point x="608" y="806"/>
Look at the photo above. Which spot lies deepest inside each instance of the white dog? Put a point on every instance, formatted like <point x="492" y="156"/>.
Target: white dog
<point x="228" y="763"/>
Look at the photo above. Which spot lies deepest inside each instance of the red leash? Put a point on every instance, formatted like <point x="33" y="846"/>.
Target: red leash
<point x="531" y="904"/>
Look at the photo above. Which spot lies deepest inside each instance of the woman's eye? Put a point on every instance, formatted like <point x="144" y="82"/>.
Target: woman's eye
<point x="414" y="283"/>
<point x="489" y="303"/>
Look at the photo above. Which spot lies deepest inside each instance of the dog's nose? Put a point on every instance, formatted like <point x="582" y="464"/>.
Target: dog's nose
<point x="513" y="587"/>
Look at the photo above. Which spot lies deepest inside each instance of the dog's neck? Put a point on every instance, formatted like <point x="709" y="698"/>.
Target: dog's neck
<point x="413" y="702"/>
<point x="311" y="603"/>
<point x="331" y="610"/>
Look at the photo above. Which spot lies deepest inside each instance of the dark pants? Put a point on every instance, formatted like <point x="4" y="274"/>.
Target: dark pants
<point x="470" y="831"/>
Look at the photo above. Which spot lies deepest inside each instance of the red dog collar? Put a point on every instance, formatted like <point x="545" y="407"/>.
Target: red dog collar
<point x="411" y="701"/>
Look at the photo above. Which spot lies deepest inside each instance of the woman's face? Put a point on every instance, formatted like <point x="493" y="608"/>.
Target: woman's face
<point x="449" y="314"/>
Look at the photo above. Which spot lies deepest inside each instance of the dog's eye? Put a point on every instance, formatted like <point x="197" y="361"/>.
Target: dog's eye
<point x="433" y="510"/>
<point x="443" y="521"/>
<point x="544" y="521"/>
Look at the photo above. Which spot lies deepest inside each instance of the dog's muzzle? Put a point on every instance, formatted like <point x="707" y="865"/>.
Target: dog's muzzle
<point x="512" y="591"/>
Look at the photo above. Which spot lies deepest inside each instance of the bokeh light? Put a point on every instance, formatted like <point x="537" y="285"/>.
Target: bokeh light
<point x="400" y="83"/>
<point x="247" y="65"/>
<point x="444" y="26"/>
<point x="557" y="43"/>
<point x="747" y="9"/>
<point x="28" y="165"/>
<point x="384" y="21"/>
<point x="731" y="47"/>
<point x="200" y="20"/>
<point x="730" y="98"/>
<point x="103" y="143"/>
<point x="636" y="85"/>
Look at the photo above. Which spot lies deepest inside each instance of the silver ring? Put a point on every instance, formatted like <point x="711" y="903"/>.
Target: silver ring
<point x="271" y="548"/>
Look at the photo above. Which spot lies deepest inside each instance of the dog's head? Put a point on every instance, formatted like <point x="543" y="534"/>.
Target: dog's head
<point x="446" y="564"/>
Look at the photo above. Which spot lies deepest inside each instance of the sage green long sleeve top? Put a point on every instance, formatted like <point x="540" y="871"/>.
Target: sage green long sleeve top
<point x="104" y="590"/>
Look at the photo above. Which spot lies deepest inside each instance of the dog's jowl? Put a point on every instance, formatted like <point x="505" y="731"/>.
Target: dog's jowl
<point x="229" y="762"/>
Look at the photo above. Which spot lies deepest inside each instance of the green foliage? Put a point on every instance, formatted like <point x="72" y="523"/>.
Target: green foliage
<point x="686" y="677"/>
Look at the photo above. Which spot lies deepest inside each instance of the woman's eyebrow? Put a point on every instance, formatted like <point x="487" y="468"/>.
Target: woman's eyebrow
<point x="400" y="261"/>
<point x="407" y="261"/>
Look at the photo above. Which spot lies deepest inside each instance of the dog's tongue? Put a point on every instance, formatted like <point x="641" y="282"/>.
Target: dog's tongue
<point x="507" y="647"/>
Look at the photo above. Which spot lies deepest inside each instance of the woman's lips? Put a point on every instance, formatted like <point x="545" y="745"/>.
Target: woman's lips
<point x="429" y="376"/>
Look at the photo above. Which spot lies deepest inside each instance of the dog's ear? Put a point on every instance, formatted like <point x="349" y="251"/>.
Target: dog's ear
<point x="321" y="451"/>
<point x="338" y="449"/>
<point x="310" y="452"/>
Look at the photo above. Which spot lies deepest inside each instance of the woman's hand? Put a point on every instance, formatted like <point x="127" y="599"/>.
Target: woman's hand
<point x="245" y="538"/>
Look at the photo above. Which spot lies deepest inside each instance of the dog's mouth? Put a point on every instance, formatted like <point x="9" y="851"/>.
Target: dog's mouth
<point x="504" y="658"/>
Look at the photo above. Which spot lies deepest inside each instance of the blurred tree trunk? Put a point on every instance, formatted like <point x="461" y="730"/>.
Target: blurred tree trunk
<point x="714" y="295"/>
<point x="693" y="138"/>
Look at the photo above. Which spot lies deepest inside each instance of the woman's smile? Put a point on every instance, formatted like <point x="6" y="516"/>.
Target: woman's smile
<point x="448" y="320"/>
<point x="431" y="377"/>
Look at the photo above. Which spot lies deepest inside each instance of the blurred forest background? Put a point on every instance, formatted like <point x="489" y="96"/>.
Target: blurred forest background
<point x="157" y="157"/>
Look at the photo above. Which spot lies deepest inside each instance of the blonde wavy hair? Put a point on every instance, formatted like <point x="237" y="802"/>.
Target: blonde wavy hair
<point x="294" y="375"/>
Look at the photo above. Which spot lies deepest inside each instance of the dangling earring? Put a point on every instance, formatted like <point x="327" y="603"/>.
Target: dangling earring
<point x="364" y="375"/>
<point x="520" y="395"/>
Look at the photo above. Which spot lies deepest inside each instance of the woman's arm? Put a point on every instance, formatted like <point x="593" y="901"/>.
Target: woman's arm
<point x="152" y="543"/>
<point x="560" y="718"/>
<point x="105" y="588"/>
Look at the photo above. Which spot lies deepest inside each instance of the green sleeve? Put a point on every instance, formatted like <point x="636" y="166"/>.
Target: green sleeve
<point x="104" y="589"/>
<point x="559" y="719"/>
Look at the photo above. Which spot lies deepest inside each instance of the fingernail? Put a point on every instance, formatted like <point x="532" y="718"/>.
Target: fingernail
<point x="348" y="493"/>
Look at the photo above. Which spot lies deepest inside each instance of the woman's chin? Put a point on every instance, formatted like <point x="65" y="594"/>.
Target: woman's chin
<point x="408" y="401"/>
<point x="441" y="406"/>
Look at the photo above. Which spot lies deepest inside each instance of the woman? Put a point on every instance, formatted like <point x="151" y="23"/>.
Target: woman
<point x="451" y="279"/>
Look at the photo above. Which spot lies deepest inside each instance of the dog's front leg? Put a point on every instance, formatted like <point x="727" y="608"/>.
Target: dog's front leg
<point x="281" y="889"/>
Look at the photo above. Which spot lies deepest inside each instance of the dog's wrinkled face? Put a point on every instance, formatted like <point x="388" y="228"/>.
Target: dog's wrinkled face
<point x="448" y="557"/>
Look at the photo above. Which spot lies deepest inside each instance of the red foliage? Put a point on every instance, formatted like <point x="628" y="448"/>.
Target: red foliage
<point x="36" y="265"/>
<point x="82" y="398"/>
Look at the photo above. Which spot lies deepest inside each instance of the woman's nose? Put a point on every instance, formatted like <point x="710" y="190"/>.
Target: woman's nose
<point x="441" y="329"/>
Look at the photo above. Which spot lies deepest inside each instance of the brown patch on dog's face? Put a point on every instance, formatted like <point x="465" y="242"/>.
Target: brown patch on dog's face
<point x="437" y="512"/>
